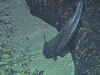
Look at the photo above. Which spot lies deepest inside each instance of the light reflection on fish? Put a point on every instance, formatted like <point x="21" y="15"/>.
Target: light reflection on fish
<point x="58" y="45"/>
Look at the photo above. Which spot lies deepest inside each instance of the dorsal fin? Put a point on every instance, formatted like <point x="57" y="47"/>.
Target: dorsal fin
<point x="44" y="36"/>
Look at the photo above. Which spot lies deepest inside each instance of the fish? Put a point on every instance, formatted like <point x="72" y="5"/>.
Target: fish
<point x="57" y="46"/>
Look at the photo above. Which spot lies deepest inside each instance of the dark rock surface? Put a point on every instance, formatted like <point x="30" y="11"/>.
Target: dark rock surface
<point x="54" y="12"/>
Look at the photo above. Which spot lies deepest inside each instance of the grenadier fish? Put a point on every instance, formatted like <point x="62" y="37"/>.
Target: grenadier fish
<point x="58" y="45"/>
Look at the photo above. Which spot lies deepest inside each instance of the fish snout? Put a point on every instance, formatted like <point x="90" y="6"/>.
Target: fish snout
<point x="49" y="55"/>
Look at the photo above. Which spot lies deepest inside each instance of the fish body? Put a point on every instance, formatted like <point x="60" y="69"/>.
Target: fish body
<point x="58" y="45"/>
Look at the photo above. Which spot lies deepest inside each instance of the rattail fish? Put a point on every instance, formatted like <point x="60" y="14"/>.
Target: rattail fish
<point x="58" y="45"/>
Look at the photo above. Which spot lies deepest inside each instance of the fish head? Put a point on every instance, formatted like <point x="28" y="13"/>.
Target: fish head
<point x="49" y="52"/>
